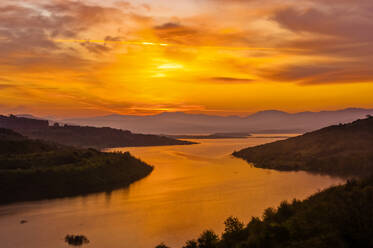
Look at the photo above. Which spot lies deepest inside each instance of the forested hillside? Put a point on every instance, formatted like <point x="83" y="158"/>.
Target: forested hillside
<point x="345" y="150"/>
<point x="34" y="169"/>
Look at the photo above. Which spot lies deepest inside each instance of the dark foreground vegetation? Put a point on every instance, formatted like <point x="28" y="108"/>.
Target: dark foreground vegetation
<point x="33" y="169"/>
<point x="343" y="150"/>
<point x="79" y="136"/>
<point x="340" y="216"/>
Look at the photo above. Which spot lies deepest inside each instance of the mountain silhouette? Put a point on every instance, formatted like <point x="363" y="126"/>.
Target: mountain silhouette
<point x="269" y="121"/>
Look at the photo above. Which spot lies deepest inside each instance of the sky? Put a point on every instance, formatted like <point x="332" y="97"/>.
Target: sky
<point x="70" y="58"/>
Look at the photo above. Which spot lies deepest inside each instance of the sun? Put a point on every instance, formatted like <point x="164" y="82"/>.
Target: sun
<point x="170" y="66"/>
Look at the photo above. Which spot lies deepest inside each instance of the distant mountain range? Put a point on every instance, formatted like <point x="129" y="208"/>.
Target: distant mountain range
<point x="270" y="121"/>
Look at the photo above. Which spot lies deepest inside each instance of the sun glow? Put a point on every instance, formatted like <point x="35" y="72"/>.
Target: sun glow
<point x="102" y="60"/>
<point x="171" y="66"/>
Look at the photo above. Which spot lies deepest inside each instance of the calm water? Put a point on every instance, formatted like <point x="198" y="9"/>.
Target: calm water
<point x="191" y="189"/>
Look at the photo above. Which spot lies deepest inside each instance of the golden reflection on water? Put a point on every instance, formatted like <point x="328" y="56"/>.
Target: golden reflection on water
<point x="191" y="189"/>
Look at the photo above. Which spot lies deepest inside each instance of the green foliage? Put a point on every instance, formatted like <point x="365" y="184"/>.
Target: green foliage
<point x="33" y="169"/>
<point x="340" y="216"/>
<point x="343" y="150"/>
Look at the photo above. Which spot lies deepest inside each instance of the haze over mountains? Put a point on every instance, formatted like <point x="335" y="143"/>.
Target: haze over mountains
<point x="270" y="121"/>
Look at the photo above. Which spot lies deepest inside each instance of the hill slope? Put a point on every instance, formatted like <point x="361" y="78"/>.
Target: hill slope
<point x="342" y="150"/>
<point x="33" y="169"/>
<point x="104" y="137"/>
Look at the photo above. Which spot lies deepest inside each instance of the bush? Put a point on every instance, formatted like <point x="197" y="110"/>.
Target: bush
<point x="76" y="240"/>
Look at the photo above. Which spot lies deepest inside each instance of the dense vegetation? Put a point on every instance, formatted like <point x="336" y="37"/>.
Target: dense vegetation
<point x="33" y="169"/>
<point x="343" y="150"/>
<point x="340" y="216"/>
<point x="94" y="137"/>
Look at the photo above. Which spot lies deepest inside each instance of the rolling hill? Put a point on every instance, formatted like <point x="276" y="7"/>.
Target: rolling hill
<point x="344" y="149"/>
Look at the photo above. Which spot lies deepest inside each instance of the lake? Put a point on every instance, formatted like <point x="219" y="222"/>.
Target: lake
<point x="192" y="188"/>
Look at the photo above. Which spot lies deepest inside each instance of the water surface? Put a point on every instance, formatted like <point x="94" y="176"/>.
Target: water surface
<point x="192" y="188"/>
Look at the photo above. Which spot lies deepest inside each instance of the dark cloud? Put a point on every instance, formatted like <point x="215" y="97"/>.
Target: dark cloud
<point x="171" y="32"/>
<point x="339" y="30"/>
<point x="320" y="74"/>
<point x="347" y="23"/>
<point x="169" y="25"/>
<point x="28" y="33"/>
<point x="95" y="48"/>
<point x="201" y="35"/>
<point x="5" y="86"/>
<point x="111" y="38"/>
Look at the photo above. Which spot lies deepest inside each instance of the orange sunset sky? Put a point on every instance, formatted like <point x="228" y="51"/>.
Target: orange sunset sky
<point x="89" y="57"/>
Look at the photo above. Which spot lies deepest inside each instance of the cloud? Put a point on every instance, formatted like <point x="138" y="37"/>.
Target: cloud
<point x="171" y="32"/>
<point x="351" y="23"/>
<point x="35" y="25"/>
<point x="169" y="25"/>
<point x="95" y="48"/>
<point x="111" y="38"/>
<point x="29" y="31"/>
<point x="321" y="74"/>
<point x="231" y="80"/>
<point x="337" y="32"/>
<point x="5" y="86"/>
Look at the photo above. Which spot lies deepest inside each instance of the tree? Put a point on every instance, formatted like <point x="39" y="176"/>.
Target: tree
<point x="233" y="232"/>
<point x="162" y="245"/>
<point x="208" y="239"/>
<point x="191" y="244"/>
<point x="232" y="225"/>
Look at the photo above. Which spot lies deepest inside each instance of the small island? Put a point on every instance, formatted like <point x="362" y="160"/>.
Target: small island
<point x="34" y="169"/>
